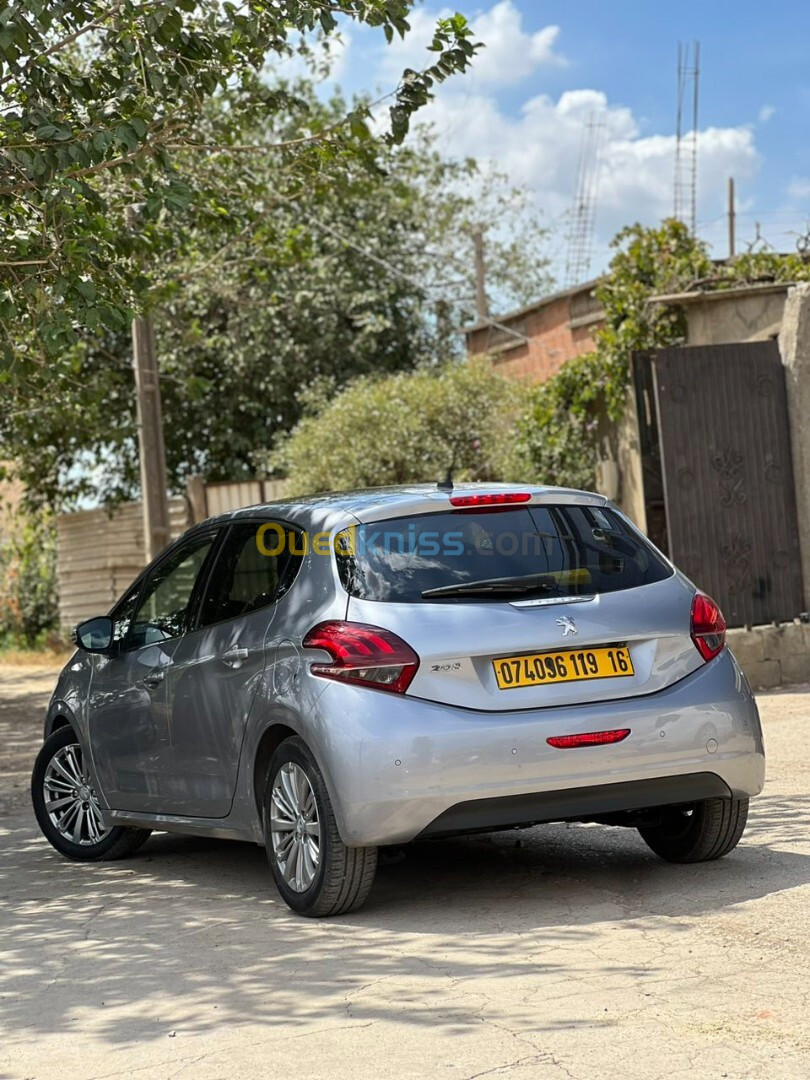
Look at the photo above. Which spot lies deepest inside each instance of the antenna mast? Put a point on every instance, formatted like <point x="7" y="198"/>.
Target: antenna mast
<point x="686" y="143"/>
<point x="583" y="212"/>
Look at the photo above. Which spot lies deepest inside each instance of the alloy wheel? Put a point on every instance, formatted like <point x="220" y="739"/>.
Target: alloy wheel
<point x="70" y="798"/>
<point x="295" y="829"/>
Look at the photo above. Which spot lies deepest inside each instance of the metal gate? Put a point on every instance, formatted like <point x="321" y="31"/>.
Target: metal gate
<point x="728" y="476"/>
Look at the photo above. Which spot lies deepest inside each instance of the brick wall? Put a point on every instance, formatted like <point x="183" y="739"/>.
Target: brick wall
<point x="555" y="335"/>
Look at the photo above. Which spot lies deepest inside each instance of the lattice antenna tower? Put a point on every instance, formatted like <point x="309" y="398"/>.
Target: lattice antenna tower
<point x="583" y="212"/>
<point x="686" y="142"/>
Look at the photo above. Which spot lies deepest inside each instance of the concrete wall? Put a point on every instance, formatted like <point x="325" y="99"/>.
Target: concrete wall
<point x="723" y="318"/>
<point x="618" y="471"/>
<point x="773" y="656"/>
<point x="794" y="345"/>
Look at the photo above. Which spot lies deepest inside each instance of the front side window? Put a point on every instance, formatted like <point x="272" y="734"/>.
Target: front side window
<point x="250" y="573"/>
<point x="164" y="608"/>
<point x="123" y="612"/>
<point x="510" y="554"/>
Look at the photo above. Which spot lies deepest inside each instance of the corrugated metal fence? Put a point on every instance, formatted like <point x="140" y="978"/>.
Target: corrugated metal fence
<point x="99" y="553"/>
<point x="220" y="498"/>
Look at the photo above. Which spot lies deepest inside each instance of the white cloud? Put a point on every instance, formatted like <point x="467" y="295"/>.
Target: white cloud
<point x="330" y="57"/>
<point x="511" y="53"/>
<point x="539" y="146"/>
<point x="540" y="149"/>
<point x="765" y="113"/>
<point x="799" y="188"/>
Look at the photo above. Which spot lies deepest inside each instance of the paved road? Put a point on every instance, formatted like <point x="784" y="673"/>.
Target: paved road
<point x="564" y="951"/>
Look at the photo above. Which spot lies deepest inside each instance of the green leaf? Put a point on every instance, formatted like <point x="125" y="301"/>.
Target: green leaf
<point x="87" y="289"/>
<point x="125" y="134"/>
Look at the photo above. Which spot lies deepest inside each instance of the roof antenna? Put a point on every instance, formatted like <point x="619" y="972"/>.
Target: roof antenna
<point x="447" y="483"/>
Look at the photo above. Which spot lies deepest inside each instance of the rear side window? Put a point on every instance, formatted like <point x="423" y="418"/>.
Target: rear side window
<point x="249" y="574"/>
<point x="505" y="554"/>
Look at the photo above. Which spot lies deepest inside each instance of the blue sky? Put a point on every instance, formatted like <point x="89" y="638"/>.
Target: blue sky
<point x="550" y="65"/>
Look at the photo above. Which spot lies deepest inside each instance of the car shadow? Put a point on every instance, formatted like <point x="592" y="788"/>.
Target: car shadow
<point x="190" y="933"/>
<point x="198" y="923"/>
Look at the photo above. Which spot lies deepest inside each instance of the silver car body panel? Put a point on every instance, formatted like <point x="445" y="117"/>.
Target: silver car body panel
<point x="394" y="763"/>
<point x="456" y="657"/>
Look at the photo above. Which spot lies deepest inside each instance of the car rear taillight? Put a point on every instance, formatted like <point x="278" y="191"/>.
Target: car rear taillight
<point x="589" y="738"/>
<point x="502" y="498"/>
<point x="364" y="655"/>
<point x="708" y="627"/>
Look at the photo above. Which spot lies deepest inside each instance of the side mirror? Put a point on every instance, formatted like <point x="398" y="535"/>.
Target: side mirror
<point x="95" y="635"/>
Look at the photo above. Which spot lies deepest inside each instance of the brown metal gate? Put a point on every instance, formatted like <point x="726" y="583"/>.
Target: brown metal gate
<point x="728" y="476"/>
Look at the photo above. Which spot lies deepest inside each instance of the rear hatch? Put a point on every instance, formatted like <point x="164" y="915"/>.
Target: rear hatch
<point x="522" y="607"/>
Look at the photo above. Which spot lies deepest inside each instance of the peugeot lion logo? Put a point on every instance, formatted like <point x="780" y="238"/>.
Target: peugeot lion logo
<point x="568" y="625"/>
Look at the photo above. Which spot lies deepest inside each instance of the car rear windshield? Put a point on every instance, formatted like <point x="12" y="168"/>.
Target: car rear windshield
<point x="522" y="553"/>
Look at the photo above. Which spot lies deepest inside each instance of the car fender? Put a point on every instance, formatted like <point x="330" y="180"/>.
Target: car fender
<point x="59" y="715"/>
<point x="279" y="715"/>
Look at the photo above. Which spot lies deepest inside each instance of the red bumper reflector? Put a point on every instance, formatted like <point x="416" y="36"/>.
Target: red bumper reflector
<point x="590" y="738"/>
<point x="502" y="498"/>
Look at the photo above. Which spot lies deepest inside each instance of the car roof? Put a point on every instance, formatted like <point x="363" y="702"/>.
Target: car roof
<point x="335" y="509"/>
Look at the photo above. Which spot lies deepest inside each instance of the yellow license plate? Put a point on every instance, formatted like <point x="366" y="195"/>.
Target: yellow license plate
<point x="567" y="665"/>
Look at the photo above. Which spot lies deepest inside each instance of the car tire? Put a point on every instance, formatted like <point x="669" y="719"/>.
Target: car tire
<point x="75" y="828"/>
<point x="707" y="830"/>
<point x="315" y="872"/>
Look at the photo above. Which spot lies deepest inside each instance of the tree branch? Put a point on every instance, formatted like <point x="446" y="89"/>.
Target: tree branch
<point x="24" y="262"/>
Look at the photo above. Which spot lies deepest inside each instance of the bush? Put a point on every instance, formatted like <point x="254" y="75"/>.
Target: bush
<point x="558" y="432"/>
<point x="29" y="614"/>
<point x="406" y="428"/>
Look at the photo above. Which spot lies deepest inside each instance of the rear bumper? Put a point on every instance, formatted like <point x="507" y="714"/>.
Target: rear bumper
<point x="398" y="767"/>
<point x="576" y="803"/>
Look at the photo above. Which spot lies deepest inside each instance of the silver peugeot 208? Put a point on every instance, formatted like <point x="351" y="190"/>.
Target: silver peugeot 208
<point x="332" y="675"/>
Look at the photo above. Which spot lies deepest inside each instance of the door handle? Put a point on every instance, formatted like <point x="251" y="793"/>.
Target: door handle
<point x="234" y="657"/>
<point x="152" y="680"/>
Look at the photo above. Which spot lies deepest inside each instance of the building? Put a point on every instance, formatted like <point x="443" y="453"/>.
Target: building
<point x="533" y="343"/>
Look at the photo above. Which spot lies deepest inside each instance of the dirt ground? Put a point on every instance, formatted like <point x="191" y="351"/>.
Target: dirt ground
<point x="561" y="951"/>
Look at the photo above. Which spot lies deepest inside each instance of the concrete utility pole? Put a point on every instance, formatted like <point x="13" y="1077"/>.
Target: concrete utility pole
<point x="151" y="449"/>
<point x="731" y="219"/>
<point x="481" y="301"/>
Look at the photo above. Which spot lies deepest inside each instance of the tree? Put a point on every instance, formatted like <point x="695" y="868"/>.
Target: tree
<point x="104" y="105"/>
<point x="403" y="428"/>
<point x="368" y="269"/>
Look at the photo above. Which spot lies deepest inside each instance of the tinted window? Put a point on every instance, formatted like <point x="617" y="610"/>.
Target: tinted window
<point x="164" y="607"/>
<point x="568" y="550"/>
<point x="245" y="577"/>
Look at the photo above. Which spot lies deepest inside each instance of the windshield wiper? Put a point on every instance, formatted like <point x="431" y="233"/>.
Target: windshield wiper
<point x="495" y="587"/>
